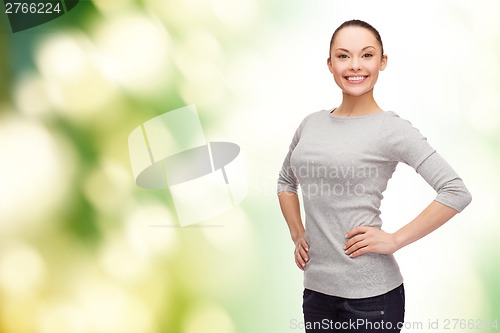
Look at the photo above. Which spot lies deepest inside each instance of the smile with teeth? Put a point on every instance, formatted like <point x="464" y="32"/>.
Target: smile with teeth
<point x="355" y="78"/>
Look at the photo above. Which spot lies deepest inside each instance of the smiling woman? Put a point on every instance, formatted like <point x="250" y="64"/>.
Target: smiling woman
<point x="351" y="277"/>
<point x="356" y="57"/>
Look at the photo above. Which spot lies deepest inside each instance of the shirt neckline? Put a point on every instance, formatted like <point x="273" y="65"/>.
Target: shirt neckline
<point x="333" y="116"/>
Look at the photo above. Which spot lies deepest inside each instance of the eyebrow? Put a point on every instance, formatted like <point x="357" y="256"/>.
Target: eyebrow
<point x="364" y="48"/>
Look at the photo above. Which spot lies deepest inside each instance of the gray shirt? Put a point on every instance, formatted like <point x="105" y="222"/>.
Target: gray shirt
<point x="343" y="165"/>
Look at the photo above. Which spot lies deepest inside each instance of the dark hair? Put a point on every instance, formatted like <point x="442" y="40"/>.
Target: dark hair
<point x="357" y="23"/>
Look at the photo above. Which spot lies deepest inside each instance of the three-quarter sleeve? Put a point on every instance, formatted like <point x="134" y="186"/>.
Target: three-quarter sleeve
<point x="287" y="181"/>
<point x="402" y="142"/>
<point x="450" y="188"/>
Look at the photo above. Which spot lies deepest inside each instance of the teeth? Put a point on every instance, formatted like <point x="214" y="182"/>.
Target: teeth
<point x="355" y="78"/>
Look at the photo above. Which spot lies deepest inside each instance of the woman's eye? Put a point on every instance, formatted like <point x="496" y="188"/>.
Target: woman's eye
<point x="368" y="55"/>
<point x="342" y="56"/>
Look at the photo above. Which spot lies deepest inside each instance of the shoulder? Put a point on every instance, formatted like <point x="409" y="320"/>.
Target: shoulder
<point x="315" y="114"/>
<point x="393" y="124"/>
<point x="395" y="130"/>
<point x="311" y="117"/>
<point x="393" y="119"/>
<point x="401" y="141"/>
<point x="305" y="122"/>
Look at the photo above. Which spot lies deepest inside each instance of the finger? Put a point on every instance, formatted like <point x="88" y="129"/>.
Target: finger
<point x="360" y="251"/>
<point x="356" y="231"/>
<point x="303" y="254"/>
<point x="300" y="256"/>
<point x="298" y="265"/>
<point x="355" y="247"/>
<point x="300" y="262"/>
<point x="354" y="240"/>
<point x="304" y="244"/>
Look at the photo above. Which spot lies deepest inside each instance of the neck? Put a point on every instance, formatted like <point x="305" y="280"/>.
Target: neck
<point x="353" y="106"/>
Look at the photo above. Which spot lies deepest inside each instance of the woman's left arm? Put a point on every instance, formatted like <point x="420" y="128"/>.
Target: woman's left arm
<point x="452" y="197"/>
<point x="400" y="141"/>
<point x="365" y="239"/>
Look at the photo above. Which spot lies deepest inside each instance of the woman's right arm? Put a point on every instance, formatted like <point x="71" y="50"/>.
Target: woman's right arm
<point x="290" y="207"/>
<point x="289" y="201"/>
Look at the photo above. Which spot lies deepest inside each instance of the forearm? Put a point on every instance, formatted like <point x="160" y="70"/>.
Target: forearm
<point x="431" y="218"/>
<point x="364" y="239"/>
<point x="290" y="207"/>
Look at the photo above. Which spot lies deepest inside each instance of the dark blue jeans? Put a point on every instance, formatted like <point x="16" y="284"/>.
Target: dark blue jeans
<point x="382" y="313"/>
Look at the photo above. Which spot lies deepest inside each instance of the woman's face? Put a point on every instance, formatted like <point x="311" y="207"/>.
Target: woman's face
<point x="355" y="60"/>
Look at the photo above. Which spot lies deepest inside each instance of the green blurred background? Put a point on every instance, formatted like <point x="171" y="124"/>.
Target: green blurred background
<point x="83" y="249"/>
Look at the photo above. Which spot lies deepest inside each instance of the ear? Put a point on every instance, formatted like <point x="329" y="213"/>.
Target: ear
<point x="383" y="63"/>
<point x="329" y="64"/>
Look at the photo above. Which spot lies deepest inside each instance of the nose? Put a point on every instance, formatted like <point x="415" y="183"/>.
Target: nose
<point x="355" y="65"/>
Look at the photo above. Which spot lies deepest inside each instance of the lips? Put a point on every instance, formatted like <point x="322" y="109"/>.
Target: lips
<point x="356" y="79"/>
